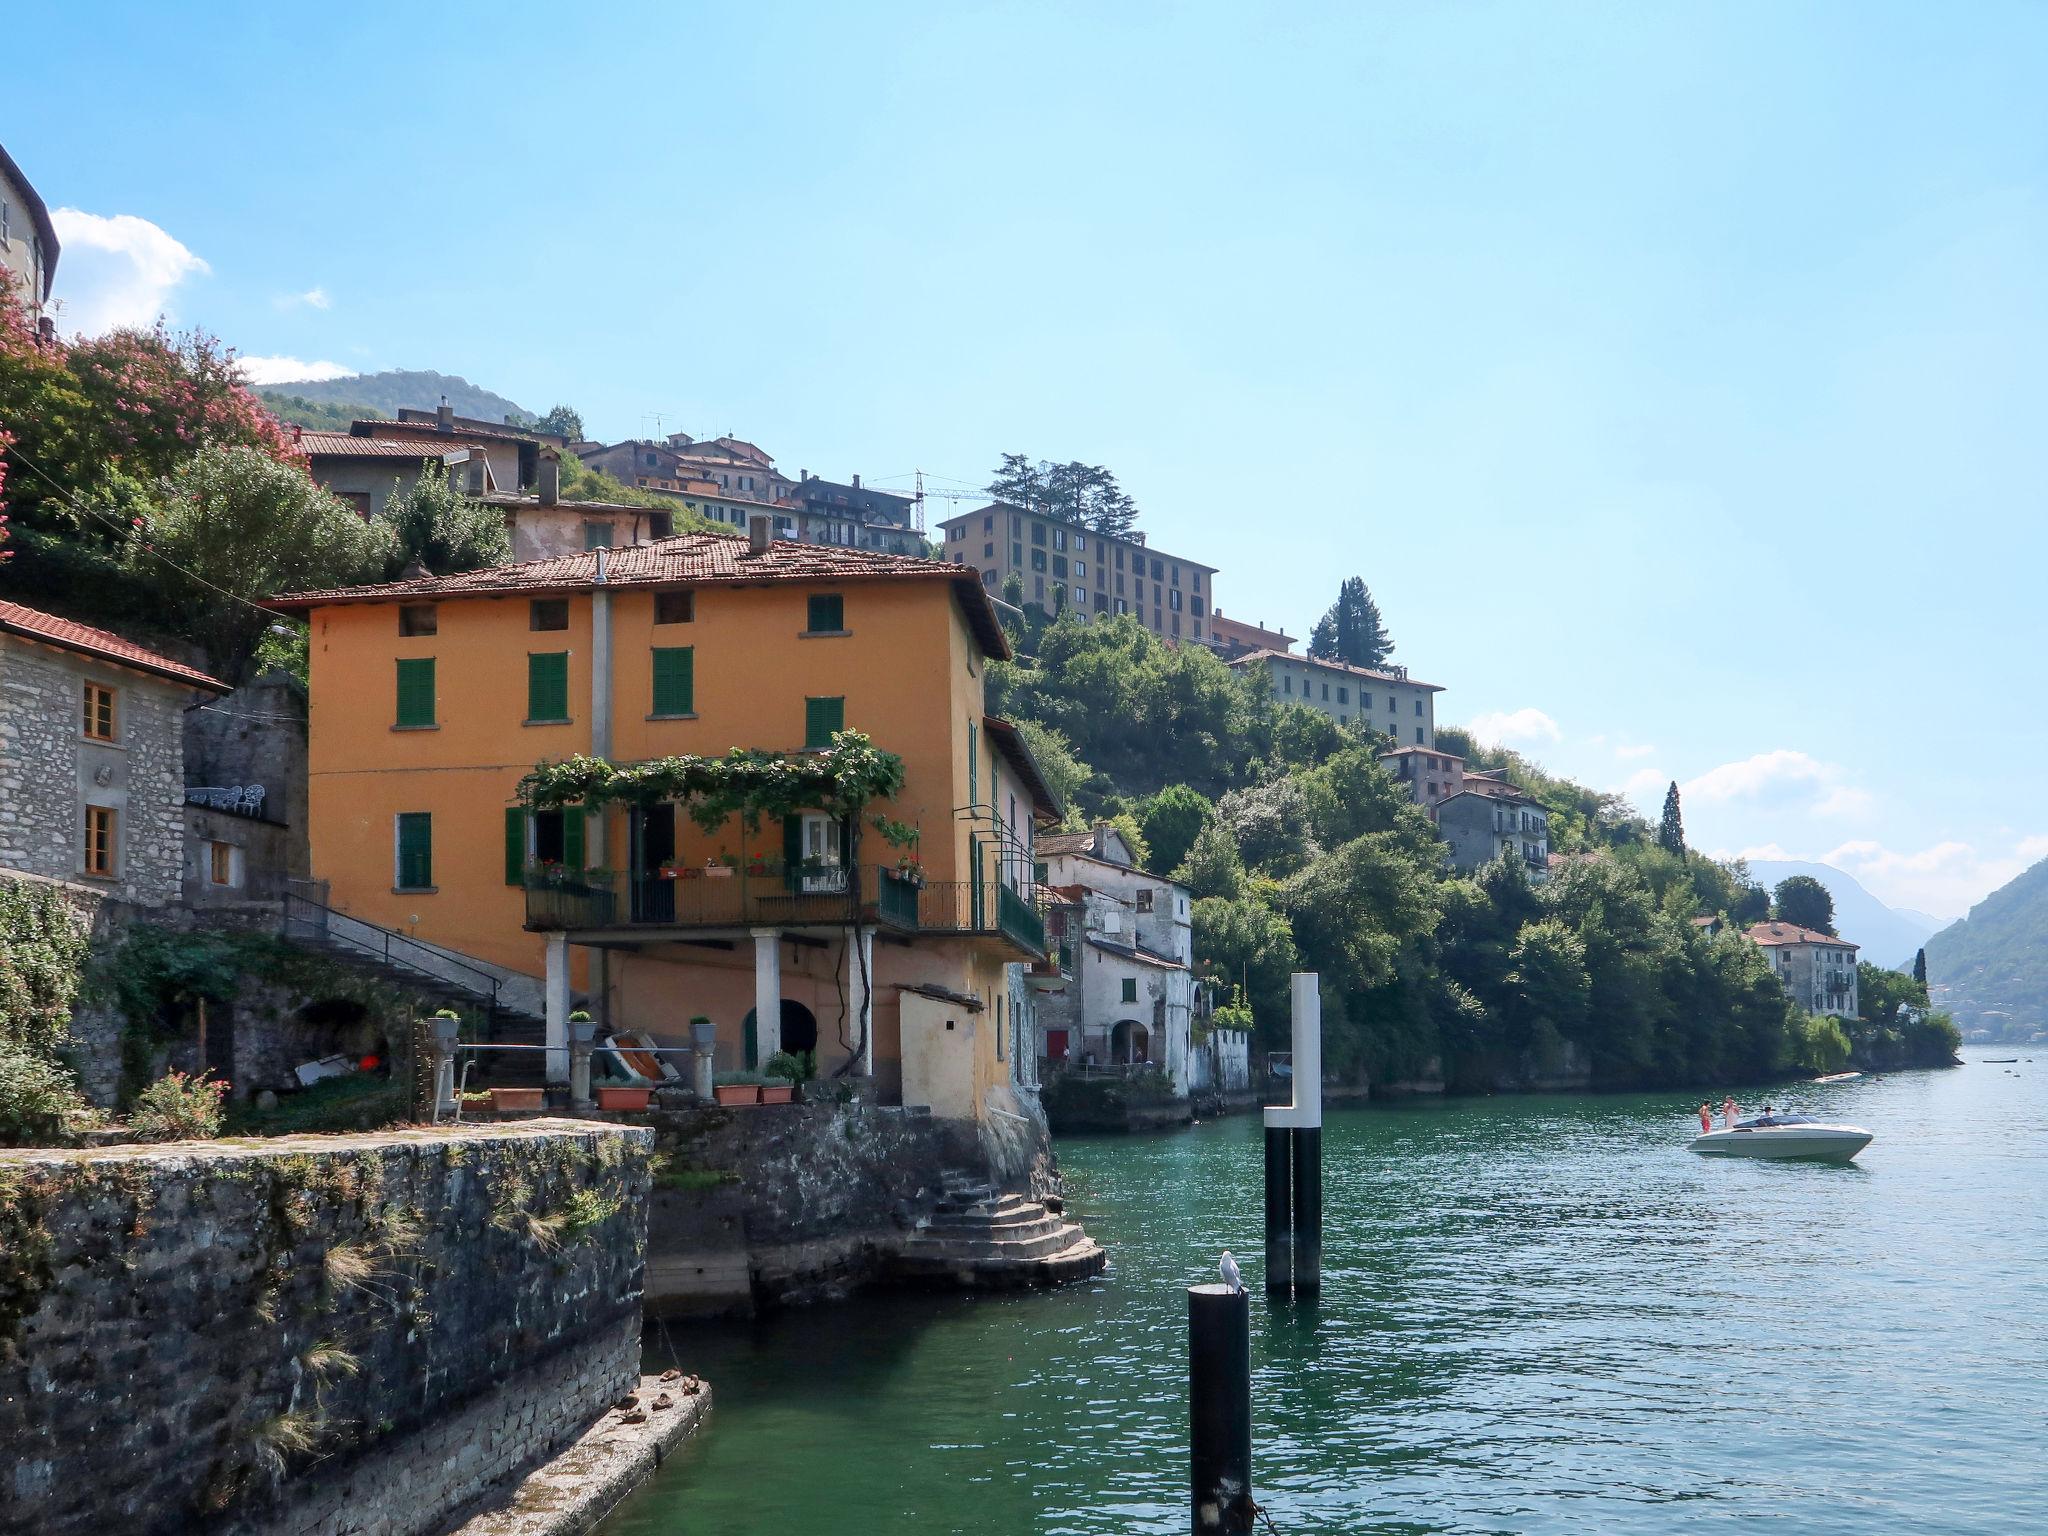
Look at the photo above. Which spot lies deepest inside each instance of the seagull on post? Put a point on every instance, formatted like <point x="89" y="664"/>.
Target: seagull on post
<point x="1231" y="1277"/>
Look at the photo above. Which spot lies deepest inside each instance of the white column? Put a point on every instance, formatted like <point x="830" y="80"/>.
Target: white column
<point x="557" y="995"/>
<point x="860" y="1001"/>
<point x="767" y="992"/>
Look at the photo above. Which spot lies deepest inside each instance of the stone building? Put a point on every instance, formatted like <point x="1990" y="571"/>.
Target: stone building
<point x="28" y="241"/>
<point x="92" y="757"/>
<point x="1117" y="987"/>
<point x="1817" y="969"/>
<point x="1429" y="776"/>
<point x="1385" y="698"/>
<point x="1488" y="819"/>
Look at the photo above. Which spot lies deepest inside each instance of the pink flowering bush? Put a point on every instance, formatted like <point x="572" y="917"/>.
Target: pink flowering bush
<point x="179" y="1108"/>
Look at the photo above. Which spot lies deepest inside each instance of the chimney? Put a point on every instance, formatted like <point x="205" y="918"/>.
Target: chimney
<point x="760" y="533"/>
<point x="550" y="478"/>
<point x="444" y="416"/>
<point x="856" y="482"/>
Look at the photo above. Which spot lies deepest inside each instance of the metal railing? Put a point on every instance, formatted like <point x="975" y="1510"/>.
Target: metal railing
<point x="307" y="917"/>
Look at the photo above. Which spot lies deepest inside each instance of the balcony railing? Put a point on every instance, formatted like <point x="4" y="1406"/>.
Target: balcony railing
<point x="766" y="895"/>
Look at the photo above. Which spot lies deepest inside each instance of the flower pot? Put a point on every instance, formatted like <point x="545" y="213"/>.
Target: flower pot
<point x="623" y="1098"/>
<point x="778" y="1093"/>
<point x="718" y="871"/>
<point x="737" y="1093"/>
<point x="518" y="1098"/>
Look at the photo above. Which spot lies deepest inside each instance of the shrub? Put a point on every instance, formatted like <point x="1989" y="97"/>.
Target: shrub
<point x="39" y="1101"/>
<point x="795" y="1067"/>
<point x="179" y="1108"/>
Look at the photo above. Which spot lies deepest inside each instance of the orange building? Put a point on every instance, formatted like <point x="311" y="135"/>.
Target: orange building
<point x="432" y="697"/>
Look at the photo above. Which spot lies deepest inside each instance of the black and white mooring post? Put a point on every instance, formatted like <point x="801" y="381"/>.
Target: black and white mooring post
<point x="1294" y="1157"/>
<point x="1220" y="1410"/>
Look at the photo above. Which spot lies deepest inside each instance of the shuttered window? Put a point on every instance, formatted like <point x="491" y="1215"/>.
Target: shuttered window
<point x="415" y="851"/>
<point x="827" y="614"/>
<point x="675" y="680"/>
<point x="515" y="845"/>
<point x="822" y="717"/>
<point x="973" y="764"/>
<point x="547" y="686"/>
<point x="416" y="691"/>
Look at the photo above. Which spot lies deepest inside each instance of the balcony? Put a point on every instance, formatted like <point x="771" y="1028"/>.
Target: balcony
<point x="767" y="895"/>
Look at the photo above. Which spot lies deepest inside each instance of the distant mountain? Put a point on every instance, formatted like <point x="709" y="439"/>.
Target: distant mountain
<point x="1991" y="969"/>
<point x="1886" y="935"/>
<point x="385" y="393"/>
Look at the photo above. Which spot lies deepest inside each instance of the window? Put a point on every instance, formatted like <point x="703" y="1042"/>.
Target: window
<point x="1016" y="554"/>
<point x="415" y="692"/>
<point x="548" y="613"/>
<point x="1176" y="619"/>
<point x="1287" y="682"/>
<point x="1119" y="589"/>
<point x="1196" y="583"/>
<point x="415" y="837"/>
<point x="1173" y="600"/>
<point x="1326" y="693"/>
<point x="1016" y="521"/>
<point x="825" y="614"/>
<point x="1343" y="694"/>
<point x="1176" y="576"/>
<point x="99" y="712"/>
<point x="99" y="841"/>
<point x="1158" y="570"/>
<point x="957" y="534"/>
<point x="1059" y="538"/>
<point x="1039" y="873"/>
<point x="220" y="863"/>
<point x="1121" y="605"/>
<point x="660" y="525"/>
<point x="988" y="523"/>
<point x="1130" y="991"/>
<point x="675" y="680"/>
<point x="1119" y="558"/>
<point x="1038" y="533"/>
<point x="547" y="688"/>
<point x="597" y="535"/>
<point x="988" y="551"/>
<point x="418" y="619"/>
<point x="1080" y="541"/>
<point x="1145" y="899"/>
<point x="1080" y="570"/>
<point x="1080" y="598"/>
<point x="1038" y="584"/>
<point x="1038" y="559"/>
<point x="1418" y="735"/>
<point x="822" y="841"/>
<point x="822" y="717"/>
<point x="675" y="607"/>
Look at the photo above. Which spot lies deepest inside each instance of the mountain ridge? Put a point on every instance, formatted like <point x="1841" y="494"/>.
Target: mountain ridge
<point x="387" y="392"/>
<point x="1886" y="936"/>
<point x="1990" y="968"/>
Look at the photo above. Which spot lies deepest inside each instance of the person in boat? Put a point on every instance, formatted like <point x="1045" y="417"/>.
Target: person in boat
<point x="1706" y="1119"/>
<point x="1728" y="1113"/>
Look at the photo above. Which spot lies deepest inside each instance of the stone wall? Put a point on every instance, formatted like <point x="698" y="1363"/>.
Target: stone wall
<point x="257" y="735"/>
<point x="49" y="772"/>
<point x="313" y="1334"/>
<point x="262" y="861"/>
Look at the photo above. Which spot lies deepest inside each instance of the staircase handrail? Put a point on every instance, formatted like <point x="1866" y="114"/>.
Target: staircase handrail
<point x="296" y="905"/>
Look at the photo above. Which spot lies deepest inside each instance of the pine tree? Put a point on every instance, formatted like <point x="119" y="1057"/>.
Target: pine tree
<point x="1920" y="966"/>
<point x="1352" y="630"/>
<point x="1671" y="830"/>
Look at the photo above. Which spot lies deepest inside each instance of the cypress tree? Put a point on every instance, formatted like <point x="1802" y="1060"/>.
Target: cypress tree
<point x="1920" y="966"/>
<point x="1671" y="830"/>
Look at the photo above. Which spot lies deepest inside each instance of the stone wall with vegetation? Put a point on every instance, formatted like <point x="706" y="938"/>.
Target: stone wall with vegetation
<point x="257" y="1337"/>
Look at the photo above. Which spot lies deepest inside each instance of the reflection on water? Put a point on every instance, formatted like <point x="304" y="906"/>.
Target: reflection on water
<point x="1539" y="1315"/>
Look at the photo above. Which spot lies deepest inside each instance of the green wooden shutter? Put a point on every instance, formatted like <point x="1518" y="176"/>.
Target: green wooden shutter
<point x="515" y="845"/>
<point x="416" y="691"/>
<point x="573" y="838"/>
<point x="415" y="850"/>
<point x="792" y="850"/>
<point x="973" y="763"/>
<point x="675" y="680"/>
<point x="547" y="686"/>
<point x="822" y="717"/>
<point x="827" y="613"/>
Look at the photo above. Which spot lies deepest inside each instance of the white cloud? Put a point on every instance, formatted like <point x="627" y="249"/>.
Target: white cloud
<point x="290" y="370"/>
<point x="1754" y="776"/>
<point x="1769" y="851"/>
<point x="312" y="298"/>
<point x="117" y="271"/>
<point x="2032" y="849"/>
<point x="1510" y="728"/>
<point x="1645" y="782"/>
<point x="1844" y="800"/>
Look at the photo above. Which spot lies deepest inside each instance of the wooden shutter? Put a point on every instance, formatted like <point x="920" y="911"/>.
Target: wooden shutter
<point x="973" y="764"/>
<point x="792" y="851"/>
<point x="827" y="613"/>
<point x="675" y="680"/>
<point x="415" y="850"/>
<point x="573" y="838"/>
<point x="515" y="845"/>
<point x="547" y="686"/>
<point x="821" y="718"/>
<point x="416" y="691"/>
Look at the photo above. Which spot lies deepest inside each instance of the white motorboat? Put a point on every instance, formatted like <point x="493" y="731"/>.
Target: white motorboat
<point x="1784" y="1136"/>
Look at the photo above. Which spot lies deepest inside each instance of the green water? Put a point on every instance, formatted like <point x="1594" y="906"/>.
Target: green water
<point x="1540" y="1315"/>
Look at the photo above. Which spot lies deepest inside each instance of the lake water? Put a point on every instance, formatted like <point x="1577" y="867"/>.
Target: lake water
<point x="1539" y="1315"/>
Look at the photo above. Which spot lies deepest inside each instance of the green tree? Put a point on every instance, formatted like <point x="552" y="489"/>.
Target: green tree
<point x="565" y="420"/>
<point x="1805" y="902"/>
<point x="1065" y="773"/>
<point x="1247" y="942"/>
<point x="1671" y="830"/>
<point x="1920" y="966"/>
<point x="1352" y="630"/>
<point x="1172" y="820"/>
<point x="1212" y="866"/>
<point x="446" y="531"/>
<point x="1073" y="492"/>
<point x="235" y="526"/>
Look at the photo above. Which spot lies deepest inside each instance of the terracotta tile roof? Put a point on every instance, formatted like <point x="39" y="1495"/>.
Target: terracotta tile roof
<point x="691" y="559"/>
<point x="1051" y="843"/>
<point x="1336" y="666"/>
<point x="1773" y="935"/>
<point x="347" y="446"/>
<point x="87" y="641"/>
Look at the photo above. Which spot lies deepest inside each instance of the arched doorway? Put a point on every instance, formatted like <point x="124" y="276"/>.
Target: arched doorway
<point x="799" y="1032"/>
<point x="1129" y="1043"/>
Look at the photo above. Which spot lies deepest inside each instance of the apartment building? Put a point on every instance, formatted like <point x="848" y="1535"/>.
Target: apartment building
<point x="432" y="697"/>
<point x="1429" y="776"/>
<point x="1489" y="818"/>
<point x="28" y="240"/>
<point x="1233" y="638"/>
<point x="1385" y="698"/>
<point x="1817" y="970"/>
<point x="1063" y="565"/>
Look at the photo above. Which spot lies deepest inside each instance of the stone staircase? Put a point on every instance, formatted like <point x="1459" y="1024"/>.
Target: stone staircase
<point x="978" y="1238"/>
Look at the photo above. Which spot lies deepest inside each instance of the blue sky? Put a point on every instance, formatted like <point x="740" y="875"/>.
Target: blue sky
<point x="1675" y="375"/>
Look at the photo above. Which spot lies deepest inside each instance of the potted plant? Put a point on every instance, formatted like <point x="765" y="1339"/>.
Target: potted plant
<point x="667" y="870"/>
<point x="759" y="866"/>
<point x="622" y="1097"/>
<point x="503" y="1099"/>
<point x="737" y="1088"/>
<point x="784" y="1071"/>
<point x="721" y="868"/>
